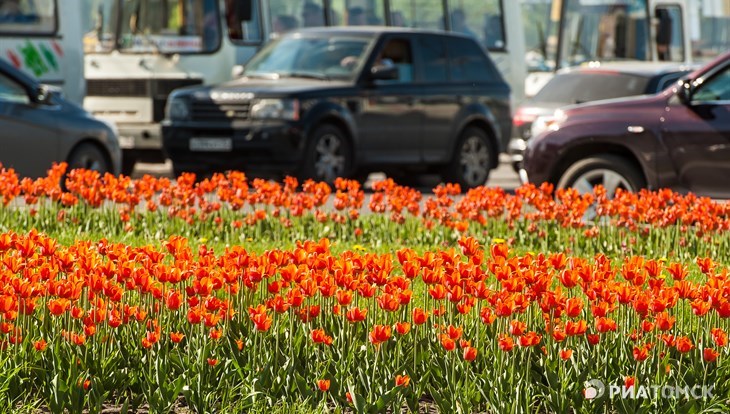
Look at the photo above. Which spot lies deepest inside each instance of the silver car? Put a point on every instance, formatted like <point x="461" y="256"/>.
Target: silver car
<point x="40" y="127"/>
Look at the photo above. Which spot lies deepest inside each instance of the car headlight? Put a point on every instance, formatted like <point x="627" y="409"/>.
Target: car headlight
<point x="547" y="123"/>
<point x="286" y="109"/>
<point x="178" y="109"/>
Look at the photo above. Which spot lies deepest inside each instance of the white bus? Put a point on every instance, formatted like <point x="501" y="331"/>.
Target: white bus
<point x="36" y="38"/>
<point x="138" y="51"/>
<point x="562" y="33"/>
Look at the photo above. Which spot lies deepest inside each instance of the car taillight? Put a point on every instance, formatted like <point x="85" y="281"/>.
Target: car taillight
<point x="524" y="116"/>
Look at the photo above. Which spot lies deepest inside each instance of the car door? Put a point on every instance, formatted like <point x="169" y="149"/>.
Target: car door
<point x="439" y="98"/>
<point x="697" y="136"/>
<point x="29" y="139"/>
<point x="388" y="121"/>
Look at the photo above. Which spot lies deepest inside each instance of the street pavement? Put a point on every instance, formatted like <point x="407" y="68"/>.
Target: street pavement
<point x="504" y="176"/>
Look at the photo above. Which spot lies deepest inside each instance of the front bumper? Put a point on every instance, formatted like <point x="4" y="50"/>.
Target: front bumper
<point x="274" y="146"/>
<point x="516" y="149"/>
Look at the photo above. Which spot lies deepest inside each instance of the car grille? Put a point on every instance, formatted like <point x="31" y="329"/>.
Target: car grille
<point x="221" y="112"/>
<point x="156" y="88"/>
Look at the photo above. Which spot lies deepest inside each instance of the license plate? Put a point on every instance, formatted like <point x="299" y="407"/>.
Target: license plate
<point x="211" y="144"/>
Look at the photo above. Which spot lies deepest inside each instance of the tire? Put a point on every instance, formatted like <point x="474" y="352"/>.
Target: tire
<point x="90" y="157"/>
<point x="328" y="155"/>
<point x="471" y="163"/>
<point x="611" y="171"/>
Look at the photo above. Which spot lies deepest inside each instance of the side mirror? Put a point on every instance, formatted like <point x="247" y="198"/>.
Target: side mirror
<point x="41" y="95"/>
<point x="384" y="72"/>
<point x="237" y="71"/>
<point x="685" y="91"/>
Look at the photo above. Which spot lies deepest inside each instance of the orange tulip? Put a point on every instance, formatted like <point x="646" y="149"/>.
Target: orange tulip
<point x="176" y="337"/>
<point x="402" y="380"/>
<point x="402" y="328"/>
<point x="709" y="354"/>
<point x="419" y="316"/>
<point x="719" y="336"/>
<point x="566" y="353"/>
<point x="684" y="344"/>
<point x="356" y="314"/>
<point x="506" y="343"/>
<point x="517" y="328"/>
<point x="379" y="334"/>
<point x="448" y="343"/>
<point x="454" y="332"/>
<point x="40" y="345"/>
<point x="470" y="353"/>
<point x="323" y="385"/>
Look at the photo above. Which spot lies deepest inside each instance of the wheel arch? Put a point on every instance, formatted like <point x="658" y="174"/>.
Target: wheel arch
<point x="93" y="142"/>
<point x="591" y="149"/>
<point x="488" y="129"/>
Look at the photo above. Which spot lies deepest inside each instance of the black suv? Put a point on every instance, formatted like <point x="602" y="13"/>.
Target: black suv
<point x="330" y="102"/>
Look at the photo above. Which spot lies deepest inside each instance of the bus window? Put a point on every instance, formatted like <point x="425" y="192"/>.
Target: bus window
<point x="244" y="24"/>
<point x="604" y="30"/>
<point x="357" y="13"/>
<point x="169" y="26"/>
<point x="540" y="24"/>
<point x="425" y="14"/>
<point x="669" y="33"/>
<point x="483" y="21"/>
<point x="711" y="29"/>
<point x="288" y="15"/>
<point x="98" y="22"/>
<point x="28" y="16"/>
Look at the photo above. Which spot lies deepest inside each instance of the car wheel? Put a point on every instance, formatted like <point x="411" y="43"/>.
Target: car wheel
<point x="90" y="157"/>
<point x="610" y="171"/>
<point x="328" y="155"/>
<point x="471" y="163"/>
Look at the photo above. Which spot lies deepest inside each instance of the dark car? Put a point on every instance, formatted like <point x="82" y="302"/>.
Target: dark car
<point x="39" y="128"/>
<point x="328" y="102"/>
<point x="679" y="139"/>
<point x="586" y="84"/>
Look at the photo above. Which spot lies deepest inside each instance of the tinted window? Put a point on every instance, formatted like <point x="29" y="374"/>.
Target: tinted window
<point x="715" y="89"/>
<point x="310" y="56"/>
<point x="433" y="56"/>
<point x="10" y="91"/>
<point x="397" y="52"/>
<point x="467" y="62"/>
<point x="570" y="88"/>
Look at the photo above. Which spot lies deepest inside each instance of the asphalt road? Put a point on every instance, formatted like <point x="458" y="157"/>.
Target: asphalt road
<point x="504" y="176"/>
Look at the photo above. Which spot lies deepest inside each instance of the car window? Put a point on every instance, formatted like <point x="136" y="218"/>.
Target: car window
<point x="11" y="91"/>
<point x="571" y="88"/>
<point x="668" y="80"/>
<point x="716" y="88"/>
<point x="467" y="62"/>
<point x="433" y="56"/>
<point x="315" y="56"/>
<point x="398" y="52"/>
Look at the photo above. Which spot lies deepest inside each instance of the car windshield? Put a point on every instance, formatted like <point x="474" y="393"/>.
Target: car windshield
<point x="320" y="57"/>
<point x="572" y="88"/>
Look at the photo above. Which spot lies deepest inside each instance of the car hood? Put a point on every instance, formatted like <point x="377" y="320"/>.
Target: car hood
<point x="246" y="88"/>
<point x="610" y="106"/>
